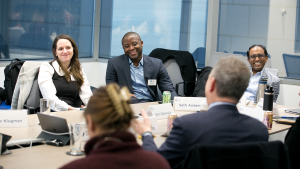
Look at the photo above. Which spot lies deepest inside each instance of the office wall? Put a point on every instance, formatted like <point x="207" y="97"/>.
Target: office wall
<point x="281" y="32"/>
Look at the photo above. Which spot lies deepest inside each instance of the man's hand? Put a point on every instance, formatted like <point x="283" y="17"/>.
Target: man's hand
<point x="299" y="95"/>
<point x="141" y="126"/>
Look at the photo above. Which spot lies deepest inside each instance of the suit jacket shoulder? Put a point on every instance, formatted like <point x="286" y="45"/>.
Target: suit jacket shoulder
<point x="220" y="121"/>
<point x="118" y="71"/>
<point x="153" y="61"/>
<point x="118" y="59"/>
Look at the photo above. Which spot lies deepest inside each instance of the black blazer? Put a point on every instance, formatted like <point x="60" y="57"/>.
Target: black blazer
<point x="220" y="124"/>
<point x="118" y="71"/>
<point x="292" y="140"/>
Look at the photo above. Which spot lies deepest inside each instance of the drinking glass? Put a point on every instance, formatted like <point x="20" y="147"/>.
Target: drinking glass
<point x="45" y="105"/>
<point x="76" y="135"/>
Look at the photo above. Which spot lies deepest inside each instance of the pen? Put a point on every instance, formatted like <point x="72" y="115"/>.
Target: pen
<point x="289" y="117"/>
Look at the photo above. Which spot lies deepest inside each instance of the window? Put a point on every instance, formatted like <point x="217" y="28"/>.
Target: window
<point x="169" y="24"/>
<point x="28" y="27"/>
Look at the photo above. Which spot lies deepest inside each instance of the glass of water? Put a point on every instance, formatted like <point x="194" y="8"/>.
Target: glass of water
<point x="76" y="135"/>
<point x="45" y="105"/>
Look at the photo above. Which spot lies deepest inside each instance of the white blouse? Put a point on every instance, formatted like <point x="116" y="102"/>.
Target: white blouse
<point x="48" y="89"/>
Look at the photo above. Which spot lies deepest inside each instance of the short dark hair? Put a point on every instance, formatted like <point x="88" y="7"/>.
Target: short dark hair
<point x="262" y="46"/>
<point x="128" y="34"/>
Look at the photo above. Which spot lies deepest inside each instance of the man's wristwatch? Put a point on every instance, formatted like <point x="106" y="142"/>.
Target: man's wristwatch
<point x="147" y="133"/>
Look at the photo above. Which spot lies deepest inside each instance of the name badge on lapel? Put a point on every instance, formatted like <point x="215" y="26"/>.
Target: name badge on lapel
<point x="151" y="82"/>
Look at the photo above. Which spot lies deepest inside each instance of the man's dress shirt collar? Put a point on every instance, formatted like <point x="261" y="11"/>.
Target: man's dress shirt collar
<point x="220" y="103"/>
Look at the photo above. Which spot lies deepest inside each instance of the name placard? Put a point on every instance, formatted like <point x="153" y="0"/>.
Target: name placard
<point x="154" y="127"/>
<point x="260" y="104"/>
<point x="13" y="118"/>
<point x="160" y="111"/>
<point x="242" y="101"/>
<point x="188" y="103"/>
<point x="255" y="113"/>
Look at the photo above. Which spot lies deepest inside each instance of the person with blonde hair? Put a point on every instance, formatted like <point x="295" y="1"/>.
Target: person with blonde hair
<point x="63" y="79"/>
<point x="108" y="116"/>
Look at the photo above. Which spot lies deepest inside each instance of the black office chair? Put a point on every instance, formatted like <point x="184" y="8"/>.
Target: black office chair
<point x="181" y="68"/>
<point x="292" y="140"/>
<point x="258" y="155"/>
<point x="291" y="63"/>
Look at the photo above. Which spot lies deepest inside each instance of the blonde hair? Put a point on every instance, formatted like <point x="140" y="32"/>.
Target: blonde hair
<point x="109" y="107"/>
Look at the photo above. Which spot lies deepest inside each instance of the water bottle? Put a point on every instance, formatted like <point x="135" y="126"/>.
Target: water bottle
<point x="262" y="85"/>
<point x="268" y="107"/>
<point x="268" y="99"/>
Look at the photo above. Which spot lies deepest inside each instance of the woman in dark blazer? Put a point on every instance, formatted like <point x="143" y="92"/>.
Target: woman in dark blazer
<point x="108" y="117"/>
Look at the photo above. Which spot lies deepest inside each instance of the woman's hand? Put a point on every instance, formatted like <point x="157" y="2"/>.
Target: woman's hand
<point x="141" y="126"/>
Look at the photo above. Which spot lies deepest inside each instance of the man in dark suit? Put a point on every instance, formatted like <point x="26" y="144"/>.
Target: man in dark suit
<point x="222" y="123"/>
<point x="140" y="73"/>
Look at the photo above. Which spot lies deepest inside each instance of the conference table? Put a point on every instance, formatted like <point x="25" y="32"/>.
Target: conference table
<point x="46" y="156"/>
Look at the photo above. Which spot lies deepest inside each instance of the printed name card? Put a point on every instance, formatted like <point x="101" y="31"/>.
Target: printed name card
<point x="188" y="103"/>
<point x="13" y="118"/>
<point x="260" y="104"/>
<point x="255" y="113"/>
<point x="160" y="111"/>
<point x="154" y="127"/>
<point x="242" y="101"/>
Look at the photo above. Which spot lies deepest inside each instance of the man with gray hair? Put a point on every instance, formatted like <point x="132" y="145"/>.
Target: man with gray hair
<point x="222" y="123"/>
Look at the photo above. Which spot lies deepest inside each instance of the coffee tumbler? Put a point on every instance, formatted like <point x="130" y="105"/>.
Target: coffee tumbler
<point x="262" y="85"/>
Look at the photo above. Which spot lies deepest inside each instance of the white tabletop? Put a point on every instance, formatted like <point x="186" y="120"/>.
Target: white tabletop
<point x="45" y="156"/>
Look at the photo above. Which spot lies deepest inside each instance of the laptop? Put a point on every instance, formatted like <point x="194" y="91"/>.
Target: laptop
<point x="54" y="125"/>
